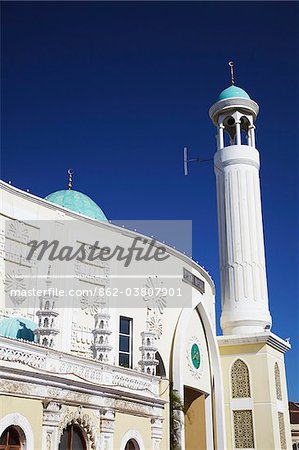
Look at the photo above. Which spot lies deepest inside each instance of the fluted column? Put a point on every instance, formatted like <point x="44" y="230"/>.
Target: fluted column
<point x="242" y="259"/>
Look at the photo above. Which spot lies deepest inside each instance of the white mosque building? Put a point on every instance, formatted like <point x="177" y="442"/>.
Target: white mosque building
<point x="138" y="364"/>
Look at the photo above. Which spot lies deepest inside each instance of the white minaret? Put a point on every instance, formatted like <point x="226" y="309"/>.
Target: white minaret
<point x="244" y="293"/>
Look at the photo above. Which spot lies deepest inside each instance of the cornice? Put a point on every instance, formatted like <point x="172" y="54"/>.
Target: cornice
<point x="266" y="338"/>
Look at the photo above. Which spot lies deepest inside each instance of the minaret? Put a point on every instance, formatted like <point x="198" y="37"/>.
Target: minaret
<point x="148" y="349"/>
<point x="47" y="314"/>
<point x="244" y="293"/>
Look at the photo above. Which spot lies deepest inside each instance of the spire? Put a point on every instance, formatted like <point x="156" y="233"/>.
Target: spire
<point x="231" y="65"/>
<point x="70" y="174"/>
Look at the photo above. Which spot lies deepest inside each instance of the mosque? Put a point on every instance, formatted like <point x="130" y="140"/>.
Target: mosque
<point x="138" y="364"/>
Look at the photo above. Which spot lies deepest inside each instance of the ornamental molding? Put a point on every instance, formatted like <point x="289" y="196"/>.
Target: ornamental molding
<point x="107" y="422"/>
<point x="52" y="412"/>
<point x="131" y="383"/>
<point x="23" y="357"/>
<point x="86" y="421"/>
<point x="120" y="389"/>
<point x="196" y="372"/>
<point x="54" y="362"/>
<point x="155" y="299"/>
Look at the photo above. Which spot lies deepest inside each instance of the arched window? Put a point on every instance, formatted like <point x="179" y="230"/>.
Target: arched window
<point x="10" y="439"/>
<point x="160" y="370"/>
<point x="72" y="439"/>
<point x="132" y="445"/>
<point x="240" y="380"/>
<point x="277" y="382"/>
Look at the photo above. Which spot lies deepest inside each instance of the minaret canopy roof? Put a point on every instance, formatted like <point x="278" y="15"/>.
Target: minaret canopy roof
<point x="233" y="92"/>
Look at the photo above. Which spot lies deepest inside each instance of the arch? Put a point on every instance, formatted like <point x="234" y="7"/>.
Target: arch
<point x="214" y="354"/>
<point x="277" y="382"/>
<point x="70" y="434"/>
<point x="84" y="421"/>
<point x="22" y="425"/>
<point x="11" y="439"/>
<point x="160" y="370"/>
<point x="240" y="380"/>
<point x="135" y="437"/>
<point x="230" y="129"/>
<point x="132" y="445"/>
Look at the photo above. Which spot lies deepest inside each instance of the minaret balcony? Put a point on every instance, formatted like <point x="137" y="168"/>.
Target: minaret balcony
<point x="47" y="312"/>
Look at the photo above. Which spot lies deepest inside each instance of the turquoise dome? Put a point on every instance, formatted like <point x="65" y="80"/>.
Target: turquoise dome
<point x="11" y="327"/>
<point x="77" y="202"/>
<point x="233" y="92"/>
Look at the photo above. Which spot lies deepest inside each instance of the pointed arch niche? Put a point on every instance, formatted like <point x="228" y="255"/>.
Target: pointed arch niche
<point x="240" y="380"/>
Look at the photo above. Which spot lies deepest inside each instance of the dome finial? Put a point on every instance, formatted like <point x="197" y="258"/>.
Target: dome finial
<point x="231" y="65"/>
<point x="70" y="173"/>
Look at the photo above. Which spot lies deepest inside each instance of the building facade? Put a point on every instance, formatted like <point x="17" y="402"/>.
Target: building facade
<point x="110" y="353"/>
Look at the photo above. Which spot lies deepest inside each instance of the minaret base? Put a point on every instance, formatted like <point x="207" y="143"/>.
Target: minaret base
<point x="255" y="391"/>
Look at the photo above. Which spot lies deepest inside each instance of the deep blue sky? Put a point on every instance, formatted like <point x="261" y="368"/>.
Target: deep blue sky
<point x="115" y="90"/>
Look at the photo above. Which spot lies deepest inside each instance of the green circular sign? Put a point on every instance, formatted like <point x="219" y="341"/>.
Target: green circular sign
<point x="195" y="356"/>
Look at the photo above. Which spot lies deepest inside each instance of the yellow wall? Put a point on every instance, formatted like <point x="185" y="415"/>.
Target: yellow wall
<point x="32" y="410"/>
<point x="260" y="359"/>
<point x="124" y="423"/>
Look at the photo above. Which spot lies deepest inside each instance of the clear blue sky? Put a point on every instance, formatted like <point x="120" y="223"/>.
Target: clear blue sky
<point x="115" y="90"/>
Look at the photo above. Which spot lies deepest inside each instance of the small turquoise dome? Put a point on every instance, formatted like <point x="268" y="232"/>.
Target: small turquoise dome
<point x="77" y="202"/>
<point x="11" y="327"/>
<point x="233" y="92"/>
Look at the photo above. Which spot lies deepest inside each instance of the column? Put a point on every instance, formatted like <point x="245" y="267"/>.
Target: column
<point x="156" y="432"/>
<point x="238" y="132"/>
<point x="107" y="425"/>
<point x="220" y="136"/>
<point x="251" y="134"/>
<point x="52" y="413"/>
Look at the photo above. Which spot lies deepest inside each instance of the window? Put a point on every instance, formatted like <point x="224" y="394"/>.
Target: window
<point x="243" y="429"/>
<point x="72" y="439"/>
<point x="125" y="342"/>
<point x="10" y="439"/>
<point x="240" y="380"/>
<point x="282" y="432"/>
<point x="132" y="445"/>
<point x="277" y="382"/>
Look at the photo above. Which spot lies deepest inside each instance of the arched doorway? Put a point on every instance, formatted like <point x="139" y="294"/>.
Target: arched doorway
<point x="10" y="439"/>
<point x="132" y="445"/>
<point x="72" y="439"/>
